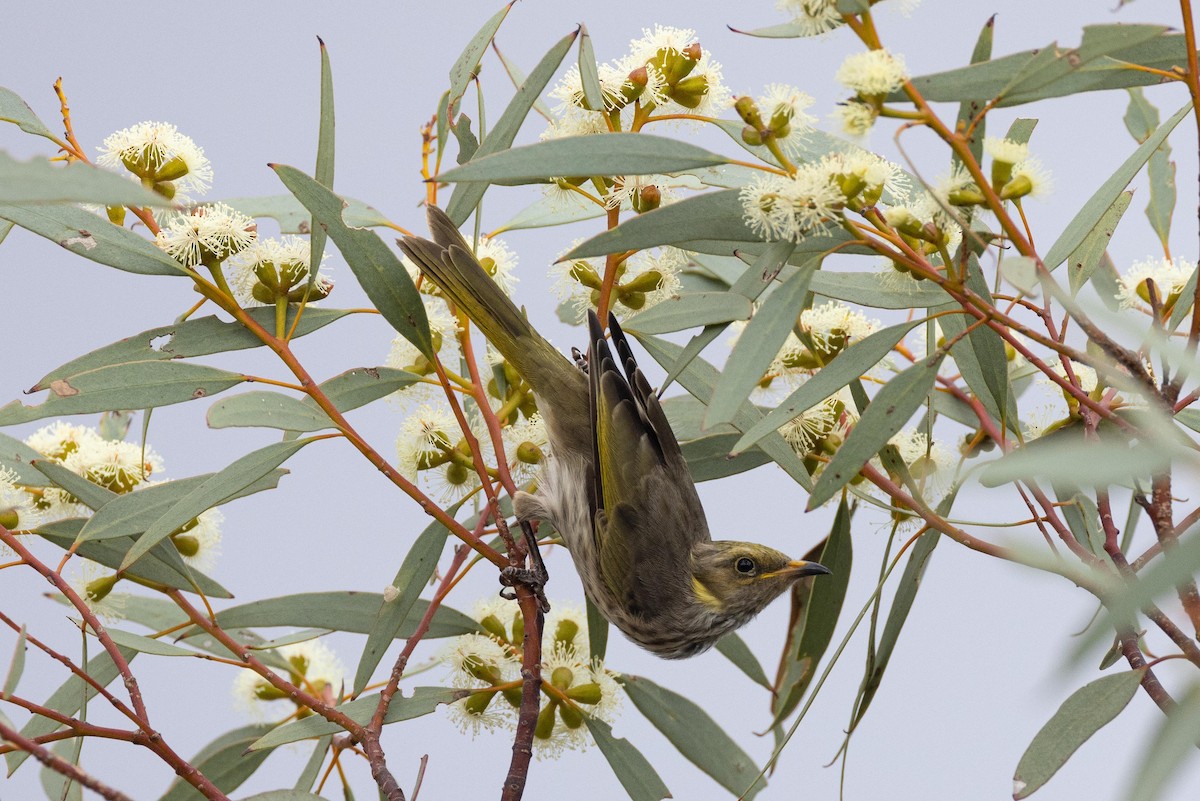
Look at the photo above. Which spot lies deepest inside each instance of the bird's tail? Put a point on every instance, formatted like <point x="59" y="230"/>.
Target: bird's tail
<point x="448" y="262"/>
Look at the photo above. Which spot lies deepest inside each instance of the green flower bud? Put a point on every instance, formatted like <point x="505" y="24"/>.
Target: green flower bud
<point x="562" y="677"/>
<point x="648" y="281"/>
<point x="634" y="86"/>
<point x="98" y="589"/>
<point x="116" y="214"/>
<point x="545" y="721"/>
<point x="477" y="703"/>
<point x="10" y="519"/>
<point x="1016" y="188"/>
<point x="582" y="272"/>
<point x="528" y="453"/>
<point x="752" y="136"/>
<point x="747" y="109"/>
<point x="518" y="629"/>
<point x="566" y="631"/>
<point x="513" y="696"/>
<point x="589" y="693"/>
<point x="689" y="92"/>
<point x="173" y="170"/>
<point x="164" y="188"/>
<point x="186" y="544"/>
<point x="263" y="293"/>
<point x="632" y="300"/>
<point x="571" y="716"/>
<point x="966" y="196"/>
<point x="492" y="625"/>
<point x="484" y="671"/>
<point x="268" y="692"/>
<point x="457" y="475"/>
<point x="1001" y="172"/>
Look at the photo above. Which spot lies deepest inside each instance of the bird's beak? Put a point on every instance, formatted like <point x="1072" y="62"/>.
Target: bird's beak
<point x="798" y="569"/>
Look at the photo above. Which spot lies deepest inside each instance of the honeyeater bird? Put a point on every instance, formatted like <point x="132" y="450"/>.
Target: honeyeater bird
<point x="616" y="486"/>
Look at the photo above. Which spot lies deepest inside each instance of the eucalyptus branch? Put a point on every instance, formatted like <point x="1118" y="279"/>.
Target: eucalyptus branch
<point x="62" y="766"/>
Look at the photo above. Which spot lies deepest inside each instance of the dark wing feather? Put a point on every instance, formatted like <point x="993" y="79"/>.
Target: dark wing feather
<point x="646" y="511"/>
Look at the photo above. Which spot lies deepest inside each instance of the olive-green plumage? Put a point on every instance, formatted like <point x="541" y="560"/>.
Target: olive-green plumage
<point x="617" y="487"/>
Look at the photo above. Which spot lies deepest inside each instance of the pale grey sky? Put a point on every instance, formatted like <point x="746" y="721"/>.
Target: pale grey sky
<point x="981" y="665"/>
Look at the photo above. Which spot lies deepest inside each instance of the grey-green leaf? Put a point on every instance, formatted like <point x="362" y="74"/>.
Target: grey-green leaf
<point x="16" y="666"/>
<point x="758" y="345"/>
<point x="38" y="181"/>
<point x="633" y="770"/>
<point x="421" y="701"/>
<point x="1089" y="216"/>
<point x="360" y="386"/>
<point x="589" y="77"/>
<point x="1077" y="462"/>
<point x="1084" y="260"/>
<point x="1083" y="714"/>
<point x="848" y="365"/>
<point x="418" y="565"/>
<point x="610" y="154"/>
<point x="869" y="289"/>
<point x="466" y="66"/>
<point x="697" y="736"/>
<point x="15" y="110"/>
<point x="708" y="457"/>
<point x="133" y="385"/>
<point x="378" y="269"/>
<point x="230" y="481"/>
<point x="146" y="645"/>
<point x="15" y="455"/>
<point x="93" y="237"/>
<point x="689" y="310"/>
<point x="323" y="173"/>
<point x="348" y="611"/>
<point x="891" y="408"/>
<point x="293" y="218"/>
<point x="1174" y="742"/>
<point x="267" y="410"/>
<point x="225" y="761"/>
<point x="734" y="648"/>
<point x="467" y="196"/>
<point x="814" y="629"/>
<point x="198" y="337"/>
<point x="91" y="495"/>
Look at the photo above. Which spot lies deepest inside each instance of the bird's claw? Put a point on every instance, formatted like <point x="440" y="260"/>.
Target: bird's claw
<point x="533" y="578"/>
<point x="580" y="360"/>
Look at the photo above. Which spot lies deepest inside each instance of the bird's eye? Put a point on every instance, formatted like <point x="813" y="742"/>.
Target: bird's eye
<point x="745" y="565"/>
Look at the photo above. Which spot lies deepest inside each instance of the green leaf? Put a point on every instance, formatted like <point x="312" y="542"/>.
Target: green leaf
<point x="360" y="386"/>
<point x="287" y="795"/>
<point x="467" y="196"/>
<point x="376" y="266"/>
<point x="312" y="768"/>
<point x="133" y="385"/>
<point x="467" y="143"/>
<point x="225" y="761"/>
<point x="16" y="667"/>
<point x="93" y="237"/>
<point x="134" y="512"/>
<point x="696" y="735"/>
<point x="57" y="786"/>
<point x="869" y="289"/>
<point x="1077" y="462"/>
<point x="1174" y="742"/>
<point x="589" y="77"/>
<point x="611" y="154"/>
<point x="551" y="210"/>
<point x="891" y="408"/>
<point x="68" y="699"/>
<point x="466" y="66"/>
<point x="688" y="310"/>
<point x="906" y="593"/>
<point x="268" y="410"/>
<point x="163" y="565"/>
<point x="230" y="481"/>
<point x="633" y="770"/>
<point x="969" y="109"/>
<point x="820" y="600"/>
<point x="597" y="631"/>
<point x="1083" y="714"/>
<point x="422" y="701"/>
<point x="91" y="495"/>
<point x="1054" y="71"/>
<point x="734" y="648"/>
<point x="418" y="565"/>
<point x="1084" y="260"/>
<point x="293" y="218"/>
<point x="699" y="377"/>
<point x="784" y="30"/>
<point x="1093" y="211"/>
<point x="848" y="365"/>
<point x="15" y="110"/>
<point x="38" y="181"/>
<point x="146" y="645"/>
<point x="323" y="173"/>
<point x="15" y="455"/>
<point x="708" y="457"/>
<point x="199" y="337"/>
<point x="758" y="345"/>
<point x="349" y="611"/>
<point x="711" y="215"/>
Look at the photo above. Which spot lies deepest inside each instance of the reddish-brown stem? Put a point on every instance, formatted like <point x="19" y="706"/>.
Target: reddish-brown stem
<point x="531" y="694"/>
<point x="62" y="766"/>
<point x="1159" y="510"/>
<point x="611" y="262"/>
<point x="1150" y="682"/>
<point x="110" y="647"/>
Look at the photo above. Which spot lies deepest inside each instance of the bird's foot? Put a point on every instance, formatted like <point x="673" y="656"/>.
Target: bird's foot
<point x="580" y="360"/>
<point x="534" y="578"/>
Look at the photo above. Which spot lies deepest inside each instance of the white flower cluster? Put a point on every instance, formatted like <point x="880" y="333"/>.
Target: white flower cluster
<point x="312" y="666"/>
<point x="157" y="152"/>
<point x="643" y="280"/>
<point x="207" y="234"/>
<point x="574" y="684"/>
<point x="270" y="269"/>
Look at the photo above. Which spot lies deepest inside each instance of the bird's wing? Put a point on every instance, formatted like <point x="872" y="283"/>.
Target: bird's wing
<point x="647" y="513"/>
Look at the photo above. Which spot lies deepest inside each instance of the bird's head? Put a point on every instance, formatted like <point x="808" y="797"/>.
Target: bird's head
<point x="738" y="579"/>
